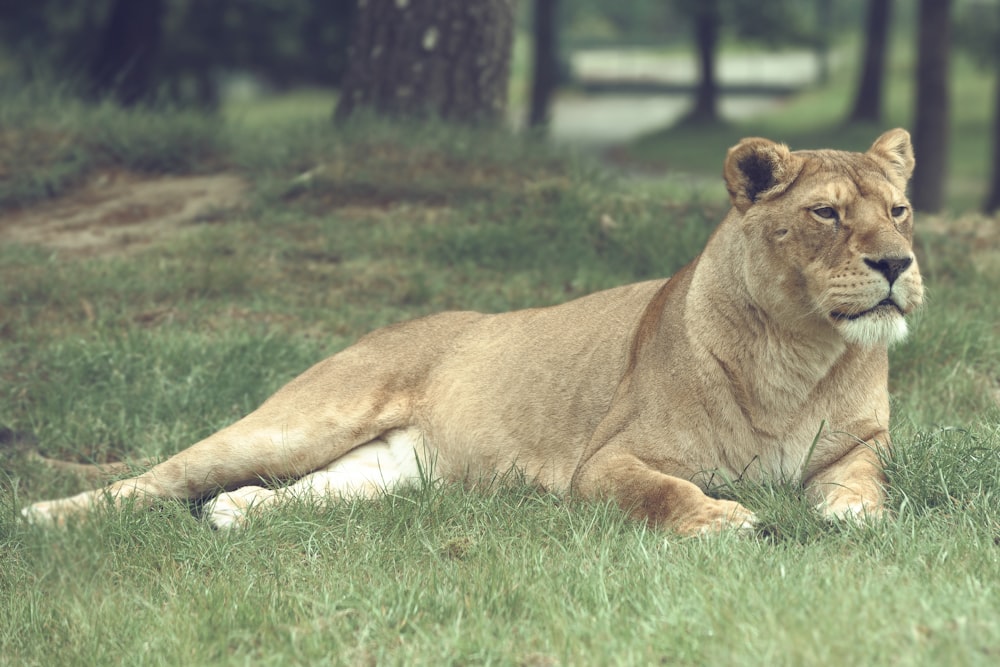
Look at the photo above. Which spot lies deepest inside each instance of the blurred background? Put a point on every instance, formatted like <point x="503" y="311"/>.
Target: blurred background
<point x="649" y="86"/>
<point x="200" y="198"/>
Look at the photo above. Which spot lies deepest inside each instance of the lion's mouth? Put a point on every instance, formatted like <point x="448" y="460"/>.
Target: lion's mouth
<point x="880" y="307"/>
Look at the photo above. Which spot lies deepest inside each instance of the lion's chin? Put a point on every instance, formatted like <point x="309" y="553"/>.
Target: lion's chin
<point x="881" y="326"/>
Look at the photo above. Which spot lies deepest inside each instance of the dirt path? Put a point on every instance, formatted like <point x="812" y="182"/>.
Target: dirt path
<point x="118" y="212"/>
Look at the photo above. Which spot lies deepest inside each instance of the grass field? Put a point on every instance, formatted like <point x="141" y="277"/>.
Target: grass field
<point x="142" y="352"/>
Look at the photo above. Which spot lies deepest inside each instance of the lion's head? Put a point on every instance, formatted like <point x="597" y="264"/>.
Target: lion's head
<point x="829" y="234"/>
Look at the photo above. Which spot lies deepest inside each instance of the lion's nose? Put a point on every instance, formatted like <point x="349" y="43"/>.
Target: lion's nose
<point x="890" y="267"/>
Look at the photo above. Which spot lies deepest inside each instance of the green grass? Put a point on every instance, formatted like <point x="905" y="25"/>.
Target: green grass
<point x="141" y="354"/>
<point x="442" y="577"/>
<point x="297" y="106"/>
<point x="51" y="142"/>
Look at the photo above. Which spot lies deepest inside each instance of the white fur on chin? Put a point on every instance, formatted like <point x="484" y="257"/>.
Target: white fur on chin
<point x="875" y="330"/>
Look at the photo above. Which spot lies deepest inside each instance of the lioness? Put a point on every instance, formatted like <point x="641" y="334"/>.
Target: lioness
<point x="765" y="357"/>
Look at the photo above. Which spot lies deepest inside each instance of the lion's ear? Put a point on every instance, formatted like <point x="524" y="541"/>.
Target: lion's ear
<point x="895" y="148"/>
<point x="757" y="166"/>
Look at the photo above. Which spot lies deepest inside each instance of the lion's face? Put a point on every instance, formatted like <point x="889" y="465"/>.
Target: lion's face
<point x="830" y="234"/>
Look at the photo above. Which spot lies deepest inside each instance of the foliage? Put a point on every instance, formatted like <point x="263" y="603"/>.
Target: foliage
<point x="977" y="31"/>
<point x="642" y="20"/>
<point x="283" y="42"/>
<point x="771" y="22"/>
<point x="776" y="22"/>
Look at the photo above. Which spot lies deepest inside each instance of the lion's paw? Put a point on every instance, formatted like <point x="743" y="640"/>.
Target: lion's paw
<point x="716" y="516"/>
<point x="232" y="509"/>
<point x="56" y="513"/>
<point x="42" y="514"/>
<point x="856" y="510"/>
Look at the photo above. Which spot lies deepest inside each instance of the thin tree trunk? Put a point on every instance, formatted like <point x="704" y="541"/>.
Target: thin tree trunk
<point x="868" y="101"/>
<point x="447" y="58"/>
<point x="546" y="62"/>
<point x="931" y="127"/>
<point x="129" y="46"/>
<point x="824" y="13"/>
<point x="706" y="35"/>
<point x="993" y="197"/>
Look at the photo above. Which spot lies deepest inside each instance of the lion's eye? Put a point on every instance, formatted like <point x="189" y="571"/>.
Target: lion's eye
<point x="898" y="211"/>
<point x="826" y="212"/>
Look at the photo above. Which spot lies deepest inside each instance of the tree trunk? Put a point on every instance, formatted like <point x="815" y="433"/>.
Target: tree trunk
<point x="706" y="34"/>
<point x="545" y="76"/>
<point x="930" y="137"/>
<point x="447" y="58"/>
<point x="993" y="197"/>
<point x="824" y="16"/>
<point x="868" y="102"/>
<point x="129" y="45"/>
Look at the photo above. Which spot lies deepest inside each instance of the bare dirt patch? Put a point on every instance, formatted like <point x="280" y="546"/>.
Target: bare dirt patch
<point x="119" y="212"/>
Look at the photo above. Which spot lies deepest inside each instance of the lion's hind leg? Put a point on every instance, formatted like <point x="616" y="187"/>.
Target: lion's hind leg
<point x="293" y="434"/>
<point x="355" y="397"/>
<point x="396" y="458"/>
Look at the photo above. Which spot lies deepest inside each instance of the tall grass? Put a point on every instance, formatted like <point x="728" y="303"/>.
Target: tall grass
<point x="51" y="141"/>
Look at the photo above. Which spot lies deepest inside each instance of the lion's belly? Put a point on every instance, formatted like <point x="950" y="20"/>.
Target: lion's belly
<point x="493" y="451"/>
<point x="483" y="426"/>
<point x="525" y="391"/>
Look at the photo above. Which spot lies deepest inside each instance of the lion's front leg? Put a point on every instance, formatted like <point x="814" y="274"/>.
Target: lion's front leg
<point x="853" y="486"/>
<point x="662" y="499"/>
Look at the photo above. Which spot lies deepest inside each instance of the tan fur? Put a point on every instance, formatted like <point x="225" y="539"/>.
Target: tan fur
<point x="764" y="358"/>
